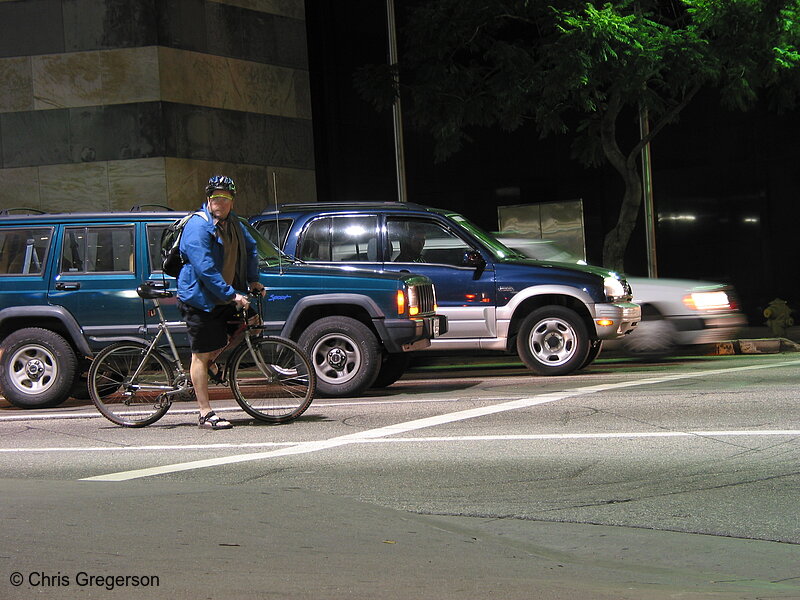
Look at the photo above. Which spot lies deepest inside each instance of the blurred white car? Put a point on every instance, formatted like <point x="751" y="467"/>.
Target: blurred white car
<point x="675" y="312"/>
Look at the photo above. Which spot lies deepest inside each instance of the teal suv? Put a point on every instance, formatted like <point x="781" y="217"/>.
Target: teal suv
<point x="67" y="288"/>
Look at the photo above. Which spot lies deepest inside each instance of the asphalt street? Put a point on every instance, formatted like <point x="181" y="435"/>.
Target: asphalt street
<point x="669" y="480"/>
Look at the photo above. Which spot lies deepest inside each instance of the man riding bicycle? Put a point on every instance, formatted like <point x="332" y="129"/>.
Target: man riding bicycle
<point x="221" y="258"/>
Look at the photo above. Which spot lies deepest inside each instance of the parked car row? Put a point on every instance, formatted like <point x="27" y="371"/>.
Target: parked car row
<point x="67" y="289"/>
<point x="359" y="286"/>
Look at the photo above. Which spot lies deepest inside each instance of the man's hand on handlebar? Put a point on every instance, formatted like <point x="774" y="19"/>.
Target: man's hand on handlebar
<point x="241" y="302"/>
<point x="257" y="289"/>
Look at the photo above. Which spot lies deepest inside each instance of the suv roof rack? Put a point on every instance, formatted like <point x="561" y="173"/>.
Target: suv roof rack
<point x="354" y="204"/>
<point x="142" y="207"/>
<point x="22" y="210"/>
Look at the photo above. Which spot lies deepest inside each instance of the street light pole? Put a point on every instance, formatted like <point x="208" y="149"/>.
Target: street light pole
<point x="399" y="152"/>
<point x="647" y="191"/>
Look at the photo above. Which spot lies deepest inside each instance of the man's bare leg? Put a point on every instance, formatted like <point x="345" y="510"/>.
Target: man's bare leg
<point x="198" y="371"/>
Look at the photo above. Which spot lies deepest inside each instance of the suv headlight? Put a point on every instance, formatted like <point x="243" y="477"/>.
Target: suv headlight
<point x="614" y="288"/>
<point x="413" y="301"/>
<point x="408" y="300"/>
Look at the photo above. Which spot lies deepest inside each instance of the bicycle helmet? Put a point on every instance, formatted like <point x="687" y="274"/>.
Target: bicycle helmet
<point x="220" y="182"/>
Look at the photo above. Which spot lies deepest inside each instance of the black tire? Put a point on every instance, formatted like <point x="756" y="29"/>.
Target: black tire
<point x="553" y="340"/>
<point x="345" y="354"/>
<point x="121" y="400"/>
<point x="37" y="368"/>
<point x="594" y="351"/>
<point x="653" y="338"/>
<point x="278" y="386"/>
<point x="392" y="369"/>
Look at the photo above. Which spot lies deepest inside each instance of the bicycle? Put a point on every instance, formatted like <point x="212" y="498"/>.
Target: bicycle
<point x="133" y="384"/>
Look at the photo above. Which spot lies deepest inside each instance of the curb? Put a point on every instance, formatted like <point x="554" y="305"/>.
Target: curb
<point x="754" y="346"/>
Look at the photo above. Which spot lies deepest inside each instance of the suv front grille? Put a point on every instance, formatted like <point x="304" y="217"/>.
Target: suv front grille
<point x="426" y="296"/>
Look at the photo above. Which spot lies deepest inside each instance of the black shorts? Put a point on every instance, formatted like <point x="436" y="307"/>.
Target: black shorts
<point x="209" y="331"/>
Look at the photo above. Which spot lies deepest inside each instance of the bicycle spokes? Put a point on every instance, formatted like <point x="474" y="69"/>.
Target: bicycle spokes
<point x="272" y="379"/>
<point x="129" y="385"/>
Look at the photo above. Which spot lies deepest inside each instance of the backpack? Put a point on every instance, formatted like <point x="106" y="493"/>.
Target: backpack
<point x="172" y="262"/>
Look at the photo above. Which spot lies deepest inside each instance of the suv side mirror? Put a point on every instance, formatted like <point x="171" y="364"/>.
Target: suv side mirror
<point x="473" y="258"/>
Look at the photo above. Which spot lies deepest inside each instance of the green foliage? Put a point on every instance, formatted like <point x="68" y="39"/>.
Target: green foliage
<point x="567" y="65"/>
<point x="576" y="66"/>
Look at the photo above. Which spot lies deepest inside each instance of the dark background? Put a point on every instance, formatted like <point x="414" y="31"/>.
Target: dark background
<point x="735" y="172"/>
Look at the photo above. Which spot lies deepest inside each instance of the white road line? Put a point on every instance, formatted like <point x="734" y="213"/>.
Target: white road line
<point x="398" y="428"/>
<point x="453" y="438"/>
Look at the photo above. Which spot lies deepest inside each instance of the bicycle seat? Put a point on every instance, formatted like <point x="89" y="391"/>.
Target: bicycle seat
<point x="148" y="292"/>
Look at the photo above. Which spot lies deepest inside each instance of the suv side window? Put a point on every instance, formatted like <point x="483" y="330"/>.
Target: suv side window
<point x="354" y="239"/>
<point x="98" y="250"/>
<point x="419" y="241"/>
<point x="341" y="239"/>
<point x="24" y="251"/>
<point x="154" y="233"/>
<point x="275" y="230"/>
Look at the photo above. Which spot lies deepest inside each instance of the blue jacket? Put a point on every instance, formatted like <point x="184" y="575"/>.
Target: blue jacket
<point x="200" y="282"/>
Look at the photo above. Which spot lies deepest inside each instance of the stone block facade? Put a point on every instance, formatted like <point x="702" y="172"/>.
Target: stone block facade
<point x="112" y="103"/>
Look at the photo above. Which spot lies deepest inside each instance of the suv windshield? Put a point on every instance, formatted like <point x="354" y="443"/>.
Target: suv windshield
<point x="497" y="248"/>
<point x="267" y="251"/>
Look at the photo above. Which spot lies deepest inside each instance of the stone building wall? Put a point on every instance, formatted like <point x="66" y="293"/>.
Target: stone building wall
<point x="111" y="103"/>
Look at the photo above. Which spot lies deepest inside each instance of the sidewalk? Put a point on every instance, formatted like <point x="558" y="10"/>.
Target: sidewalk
<point x="759" y="340"/>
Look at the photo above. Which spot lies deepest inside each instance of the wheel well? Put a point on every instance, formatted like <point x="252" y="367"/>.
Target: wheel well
<point x="531" y="304"/>
<point x="316" y="312"/>
<point x="13" y="324"/>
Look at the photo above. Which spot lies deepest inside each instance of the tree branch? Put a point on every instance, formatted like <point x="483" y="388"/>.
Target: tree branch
<point x="663" y="122"/>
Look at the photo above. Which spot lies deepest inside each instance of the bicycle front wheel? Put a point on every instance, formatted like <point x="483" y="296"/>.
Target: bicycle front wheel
<point x="275" y="382"/>
<point x="124" y="396"/>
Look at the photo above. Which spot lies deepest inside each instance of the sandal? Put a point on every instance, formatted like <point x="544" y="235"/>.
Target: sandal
<point x="216" y="376"/>
<point x="213" y="421"/>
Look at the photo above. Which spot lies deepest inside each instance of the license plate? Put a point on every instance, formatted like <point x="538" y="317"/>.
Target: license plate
<point x="436" y="327"/>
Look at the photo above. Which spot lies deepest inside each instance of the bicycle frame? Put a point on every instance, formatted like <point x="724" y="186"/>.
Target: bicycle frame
<point x="182" y="375"/>
<point x="181" y="381"/>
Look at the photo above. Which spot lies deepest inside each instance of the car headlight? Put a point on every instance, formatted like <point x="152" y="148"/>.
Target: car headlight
<point x="413" y="301"/>
<point x="707" y="301"/>
<point x="614" y="288"/>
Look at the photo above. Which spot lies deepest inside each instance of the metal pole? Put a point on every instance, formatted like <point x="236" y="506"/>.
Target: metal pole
<point x="647" y="191"/>
<point x="399" y="152"/>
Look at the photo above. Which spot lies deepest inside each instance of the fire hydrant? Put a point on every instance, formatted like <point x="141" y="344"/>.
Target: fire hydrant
<point x="779" y="317"/>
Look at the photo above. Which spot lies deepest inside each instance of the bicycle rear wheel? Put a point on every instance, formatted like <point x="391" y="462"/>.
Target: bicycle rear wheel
<point x="277" y="383"/>
<point x="122" y="399"/>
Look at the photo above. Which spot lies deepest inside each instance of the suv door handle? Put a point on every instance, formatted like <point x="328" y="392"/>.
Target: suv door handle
<point x="71" y="285"/>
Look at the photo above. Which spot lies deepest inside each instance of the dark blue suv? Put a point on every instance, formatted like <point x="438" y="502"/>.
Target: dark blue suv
<point x="553" y="315"/>
<point x="67" y="288"/>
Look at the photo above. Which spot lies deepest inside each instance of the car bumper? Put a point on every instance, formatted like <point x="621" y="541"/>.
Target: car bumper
<point x="612" y="321"/>
<point x="406" y="335"/>
<point x="690" y="329"/>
